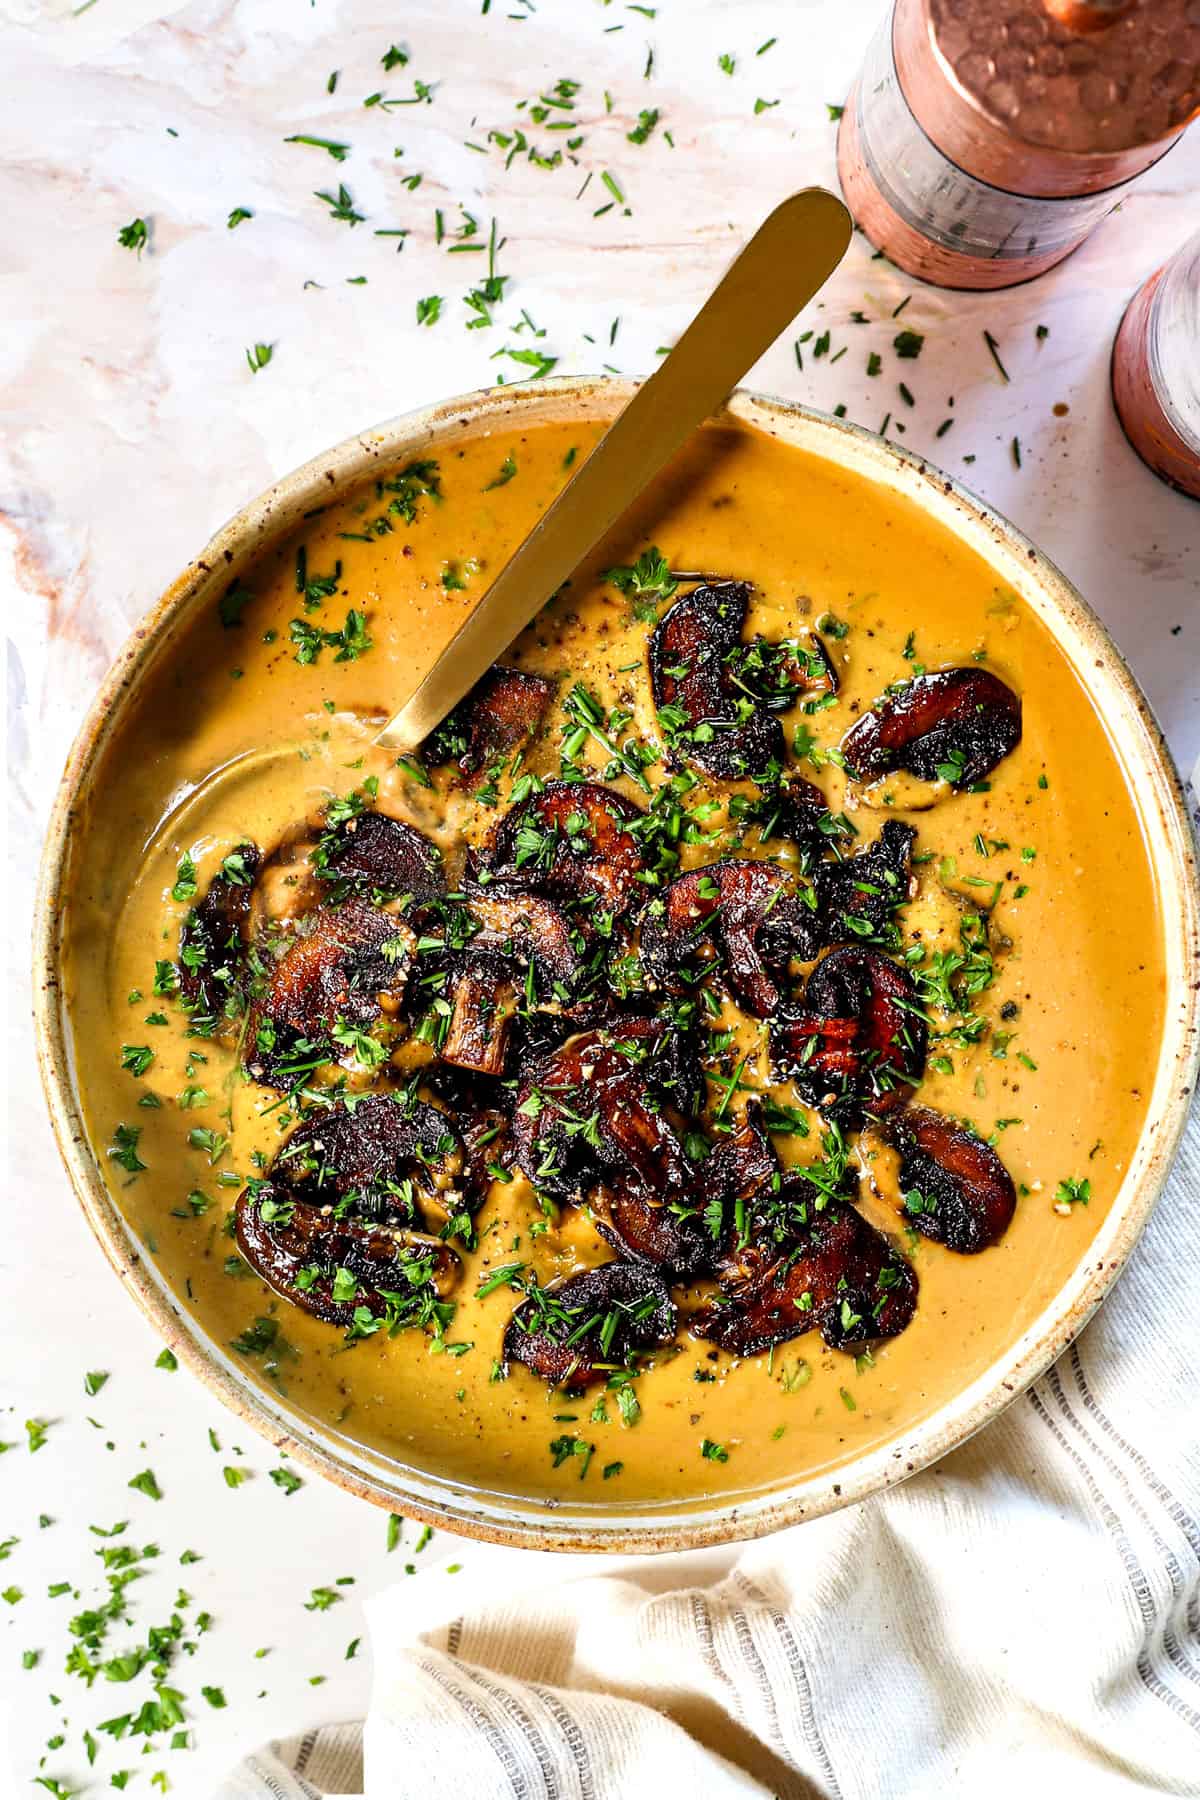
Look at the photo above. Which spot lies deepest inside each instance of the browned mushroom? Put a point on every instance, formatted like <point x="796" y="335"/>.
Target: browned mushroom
<point x="669" y="1234"/>
<point x="598" y="1107"/>
<point x="704" y="715"/>
<point x="750" y="917"/>
<point x="581" y="1329"/>
<point x="858" y="895"/>
<point x="954" y="725"/>
<point x="382" y="1153"/>
<point x="484" y="999"/>
<point x="373" y="852"/>
<point x="519" y="933"/>
<point x="501" y="711"/>
<point x="837" y="1275"/>
<point x="212" y="944"/>
<point x="529" y="928"/>
<point x="741" y="1162"/>
<point x="686" y="1236"/>
<point x="794" y="808"/>
<point x="535" y="1036"/>
<point x="857" y="1044"/>
<point x="954" y="1188"/>
<point x="482" y="1124"/>
<point x="571" y="841"/>
<point x="485" y="1137"/>
<point x="364" y="1276"/>
<point x="342" y="968"/>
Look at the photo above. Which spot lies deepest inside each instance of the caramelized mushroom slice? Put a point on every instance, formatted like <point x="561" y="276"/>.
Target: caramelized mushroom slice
<point x="706" y="717"/>
<point x="519" y="932"/>
<point x="345" y="965"/>
<point x="501" y="711"/>
<point x="794" y="809"/>
<point x="857" y="1045"/>
<point x="670" y="1235"/>
<point x="866" y="888"/>
<point x="212" y="943"/>
<point x="381" y="1152"/>
<point x="484" y="999"/>
<point x="838" y="1275"/>
<point x="954" y="1188"/>
<point x="534" y="1037"/>
<point x="474" y="1106"/>
<point x="954" y="725"/>
<point x="343" y="1270"/>
<point x="597" y="1107"/>
<point x="741" y="1162"/>
<point x="571" y="842"/>
<point x="686" y="1238"/>
<point x="579" y="1330"/>
<point x="376" y="852"/>
<point x="750" y="915"/>
<point x="526" y="929"/>
<point x="485" y="1137"/>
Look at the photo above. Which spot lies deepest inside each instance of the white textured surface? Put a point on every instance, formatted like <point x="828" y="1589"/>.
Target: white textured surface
<point x="135" y="427"/>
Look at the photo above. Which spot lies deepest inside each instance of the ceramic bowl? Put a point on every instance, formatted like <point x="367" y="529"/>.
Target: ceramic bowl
<point x="1137" y="744"/>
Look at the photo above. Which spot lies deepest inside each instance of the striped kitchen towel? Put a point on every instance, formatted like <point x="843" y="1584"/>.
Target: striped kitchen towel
<point x="1023" y="1618"/>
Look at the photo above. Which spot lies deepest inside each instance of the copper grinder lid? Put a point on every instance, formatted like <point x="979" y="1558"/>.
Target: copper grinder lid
<point x="1050" y="97"/>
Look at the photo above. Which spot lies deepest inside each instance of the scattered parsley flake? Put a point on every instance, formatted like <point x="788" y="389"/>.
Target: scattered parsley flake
<point x="134" y="236"/>
<point x="350" y="642"/>
<point x="124" y="1148"/>
<point x="1072" y="1192"/>
<point x="339" y="152"/>
<point x="994" y="353"/>
<point x="341" y="205"/>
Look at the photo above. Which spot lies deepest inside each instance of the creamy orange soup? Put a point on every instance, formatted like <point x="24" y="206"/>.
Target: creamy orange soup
<point x="238" y="739"/>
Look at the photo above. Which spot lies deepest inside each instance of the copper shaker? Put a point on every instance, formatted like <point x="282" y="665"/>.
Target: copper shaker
<point x="1156" y="370"/>
<point x="984" y="139"/>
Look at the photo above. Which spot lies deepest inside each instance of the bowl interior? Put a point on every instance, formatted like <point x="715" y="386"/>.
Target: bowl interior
<point x="579" y="1523"/>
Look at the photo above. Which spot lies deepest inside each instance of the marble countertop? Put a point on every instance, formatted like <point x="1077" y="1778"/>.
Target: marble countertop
<point x="136" y="426"/>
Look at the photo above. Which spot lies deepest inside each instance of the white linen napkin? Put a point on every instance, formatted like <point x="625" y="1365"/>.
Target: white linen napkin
<point x="1024" y="1617"/>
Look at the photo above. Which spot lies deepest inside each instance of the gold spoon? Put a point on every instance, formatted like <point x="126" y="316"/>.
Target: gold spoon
<point x="791" y="255"/>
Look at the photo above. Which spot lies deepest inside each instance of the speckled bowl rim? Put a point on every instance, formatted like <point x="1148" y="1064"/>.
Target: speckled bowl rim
<point x="552" y="1525"/>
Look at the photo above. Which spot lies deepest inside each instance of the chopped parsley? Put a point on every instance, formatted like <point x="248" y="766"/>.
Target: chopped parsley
<point x="124" y="1148"/>
<point x="349" y="643"/>
<point x="134" y="236"/>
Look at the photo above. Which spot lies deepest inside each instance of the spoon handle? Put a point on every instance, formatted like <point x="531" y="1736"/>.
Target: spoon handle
<point x="790" y="256"/>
